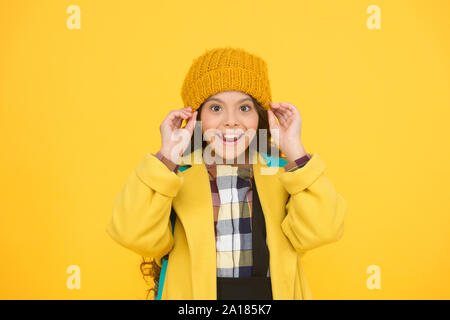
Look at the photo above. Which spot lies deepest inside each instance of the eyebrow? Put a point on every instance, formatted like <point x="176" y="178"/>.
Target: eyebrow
<point x="209" y="99"/>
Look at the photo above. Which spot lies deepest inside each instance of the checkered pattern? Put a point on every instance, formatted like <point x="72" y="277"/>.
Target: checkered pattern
<point x="231" y="189"/>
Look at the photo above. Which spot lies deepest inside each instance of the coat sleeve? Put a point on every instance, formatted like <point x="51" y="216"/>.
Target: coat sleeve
<point x="315" y="210"/>
<point x="141" y="212"/>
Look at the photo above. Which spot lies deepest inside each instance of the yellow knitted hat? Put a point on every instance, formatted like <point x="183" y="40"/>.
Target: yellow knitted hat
<point x="224" y="69"/>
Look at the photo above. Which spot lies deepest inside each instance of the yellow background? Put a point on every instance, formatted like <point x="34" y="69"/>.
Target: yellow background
<point x="79" y="108"/>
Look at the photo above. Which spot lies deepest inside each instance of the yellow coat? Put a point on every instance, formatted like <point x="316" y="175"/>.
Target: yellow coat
<point x="302" y="211"/>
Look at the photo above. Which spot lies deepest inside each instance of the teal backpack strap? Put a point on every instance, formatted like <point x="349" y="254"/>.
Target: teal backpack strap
<point x="165" y="259"/>
<point x="274" y="161"/>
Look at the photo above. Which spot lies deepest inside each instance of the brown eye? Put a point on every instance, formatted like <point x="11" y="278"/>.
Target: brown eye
<point x="248" y="107"/>
<point x="211" y="107"/>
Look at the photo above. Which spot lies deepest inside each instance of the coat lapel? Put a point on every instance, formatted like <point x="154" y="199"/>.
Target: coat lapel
<point x="193" y="205"/>
<point x="283" y="258"/>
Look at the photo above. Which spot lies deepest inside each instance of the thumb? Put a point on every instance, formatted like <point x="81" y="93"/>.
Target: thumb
<point x="190" y="125"/>
<point x="272" y="121"/>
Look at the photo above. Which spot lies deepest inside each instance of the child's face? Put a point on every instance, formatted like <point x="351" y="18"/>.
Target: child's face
<point x="226" y="115"/>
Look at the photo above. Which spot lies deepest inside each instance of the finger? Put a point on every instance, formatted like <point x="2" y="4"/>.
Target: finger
<point x="190" y="124"/>
<point x="277" y="115"/>
<point x="294" y="114"/>
<point x="280" y="116"/>
<point x="187" y="110"/>
<point x="276" y="108"/>
<point x="176" y="118"/>
<point x="177" y="122"/>
<point x="188" y="115"/>
<point x="274" y="127"/>
<point x="274" y="105"/>
<point x="181" y="113"/>
<point x="193" y="115"/>
<point x="287" y="109"/>
<point x="292" y="109"/>
<point x="272" y="121"/>
<point x="184" y="110"/>
<point x="185" y="119"/>
<point x="174" y="124"/>
<point x="287" y="113"/>
<point x="289" y="105"/>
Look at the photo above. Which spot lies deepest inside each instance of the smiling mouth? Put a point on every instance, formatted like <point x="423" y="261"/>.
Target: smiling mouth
<point x="230" y="140"/>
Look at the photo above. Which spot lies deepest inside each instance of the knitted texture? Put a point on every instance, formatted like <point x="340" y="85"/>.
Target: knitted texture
<point x="225" y="69"/>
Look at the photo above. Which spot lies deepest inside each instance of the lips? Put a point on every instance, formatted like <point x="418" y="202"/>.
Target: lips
<point x="230" y="139"/>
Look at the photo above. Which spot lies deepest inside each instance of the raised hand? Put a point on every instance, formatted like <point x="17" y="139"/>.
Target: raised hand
<point x="287" y="133"/>
<point x="174" y="139"/>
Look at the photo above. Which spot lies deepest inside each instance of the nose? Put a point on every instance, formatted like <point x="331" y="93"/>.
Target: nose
<point x="230" y="120"/>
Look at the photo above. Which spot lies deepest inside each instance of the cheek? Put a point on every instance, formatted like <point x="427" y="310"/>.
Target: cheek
<point x="209" y="122"/>
<point x="252" y="122"/>
<point x="208" y="126"/>
<point x="251" y="125"/>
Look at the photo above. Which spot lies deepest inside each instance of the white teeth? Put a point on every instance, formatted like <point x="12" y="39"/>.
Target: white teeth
<point x="231" y="138"/>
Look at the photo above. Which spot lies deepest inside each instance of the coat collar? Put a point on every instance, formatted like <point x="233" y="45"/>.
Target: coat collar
<point x="196" y="157"/>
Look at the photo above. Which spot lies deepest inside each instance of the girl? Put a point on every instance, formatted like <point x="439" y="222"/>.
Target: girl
<point x="221" y="212"/>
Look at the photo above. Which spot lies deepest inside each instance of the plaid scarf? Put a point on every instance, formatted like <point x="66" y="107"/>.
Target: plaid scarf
<point x="231" y="187"/>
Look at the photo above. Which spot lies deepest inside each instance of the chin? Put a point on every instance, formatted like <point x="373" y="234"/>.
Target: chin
<point x="230" y="154"/>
